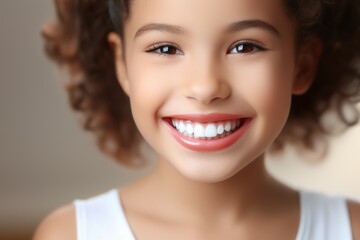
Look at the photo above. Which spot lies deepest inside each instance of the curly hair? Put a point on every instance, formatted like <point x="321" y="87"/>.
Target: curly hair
<point x="337" y="84"/>
<point x="78" y="41"/>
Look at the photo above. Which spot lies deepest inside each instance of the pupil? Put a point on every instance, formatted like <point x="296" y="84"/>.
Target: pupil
<point x="168" y="50"/>
<point x="244" y="48"/>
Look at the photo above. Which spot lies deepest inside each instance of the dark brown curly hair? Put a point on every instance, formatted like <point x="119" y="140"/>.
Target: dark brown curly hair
<point x="77" y="40"/>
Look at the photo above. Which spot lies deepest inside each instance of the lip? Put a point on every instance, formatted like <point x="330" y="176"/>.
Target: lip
<point x="208" y="145"/>
<point x="205" y="118"/>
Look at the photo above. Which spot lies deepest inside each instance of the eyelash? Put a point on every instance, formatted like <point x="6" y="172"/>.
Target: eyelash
<point x="255" y="47"/>
<point x="157" y="48"/>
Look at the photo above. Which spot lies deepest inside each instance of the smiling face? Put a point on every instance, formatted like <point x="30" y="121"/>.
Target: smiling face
<point x="210" y="82"/>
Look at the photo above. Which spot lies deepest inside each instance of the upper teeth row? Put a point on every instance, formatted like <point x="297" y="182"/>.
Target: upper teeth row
<point x="209" y="130"/>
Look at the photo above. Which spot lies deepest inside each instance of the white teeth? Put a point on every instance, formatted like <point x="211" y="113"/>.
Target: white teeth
<point x="182" y="127"/>
<point x="206" y="131"/>
<point x="189" y="129"/>
<point x="228" y="126"/>
<point x="199" y="131"/>
<point x="220" y="129"/>
<point x="210" y="130"/>
<point x="233" y="125"/>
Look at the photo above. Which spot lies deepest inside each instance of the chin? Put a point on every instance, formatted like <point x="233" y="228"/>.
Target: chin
<point x="209" y="171"/>
<point x="203" y="178"/>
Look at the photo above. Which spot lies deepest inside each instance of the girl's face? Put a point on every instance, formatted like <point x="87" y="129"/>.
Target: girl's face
<point x="210" y="81"/>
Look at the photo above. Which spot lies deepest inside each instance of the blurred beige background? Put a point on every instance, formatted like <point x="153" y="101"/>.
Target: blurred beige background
<point x="46" y="160"/>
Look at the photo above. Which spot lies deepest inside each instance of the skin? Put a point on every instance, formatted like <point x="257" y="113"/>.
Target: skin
<point x="223" y="194"/>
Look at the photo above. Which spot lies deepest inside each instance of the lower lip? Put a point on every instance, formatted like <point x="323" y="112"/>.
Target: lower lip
<point x="209" y="145"/>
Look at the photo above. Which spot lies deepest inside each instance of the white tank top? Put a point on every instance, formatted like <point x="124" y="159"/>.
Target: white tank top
<point x="322" y="218"/>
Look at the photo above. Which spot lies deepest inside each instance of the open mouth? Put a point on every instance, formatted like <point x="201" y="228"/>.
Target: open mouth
<point x="209" y="132"/>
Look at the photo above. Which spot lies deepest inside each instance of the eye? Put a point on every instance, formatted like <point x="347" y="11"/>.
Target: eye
<point x="164" y="49"/>
<point x="245" y="48"/>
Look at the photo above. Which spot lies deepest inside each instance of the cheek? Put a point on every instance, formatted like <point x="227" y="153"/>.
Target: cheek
<point x="145" y="83"/>
<point x="149" y="89"/>
<point x="272" y="78"/>
<point x="266" y="86"/>
<point x="154" y="80"/>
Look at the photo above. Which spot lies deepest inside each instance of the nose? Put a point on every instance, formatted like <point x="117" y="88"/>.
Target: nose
<point x="207" y="84"/>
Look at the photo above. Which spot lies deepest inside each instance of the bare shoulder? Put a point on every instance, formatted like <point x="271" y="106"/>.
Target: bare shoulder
<point x="59" y="225"/>
<point x="354" y="210"/>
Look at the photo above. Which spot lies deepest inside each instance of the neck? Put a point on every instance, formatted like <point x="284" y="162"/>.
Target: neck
<point x="228" y="199"/>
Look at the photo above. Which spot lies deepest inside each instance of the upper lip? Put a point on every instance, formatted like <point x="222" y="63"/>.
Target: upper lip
<point x="204" y="118"/>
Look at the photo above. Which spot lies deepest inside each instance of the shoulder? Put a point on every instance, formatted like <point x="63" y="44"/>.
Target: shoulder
<point x="354" y="211"/>
<point x="59" y="225"/>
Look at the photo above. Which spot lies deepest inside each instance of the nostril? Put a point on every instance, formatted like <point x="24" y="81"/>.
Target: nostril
<point x="208" y="91"/>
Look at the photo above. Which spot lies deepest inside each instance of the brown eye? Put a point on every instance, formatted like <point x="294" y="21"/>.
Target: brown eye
<point x="165" y="49"/>
<point x="245" y="48"/>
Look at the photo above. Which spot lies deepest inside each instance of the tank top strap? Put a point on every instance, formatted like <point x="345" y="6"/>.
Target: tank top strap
<point x="102" y="217"/>
<point x="323" y="218"/>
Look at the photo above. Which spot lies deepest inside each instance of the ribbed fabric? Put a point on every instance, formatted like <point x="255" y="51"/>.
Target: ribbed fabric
<point x="103" y="218"/>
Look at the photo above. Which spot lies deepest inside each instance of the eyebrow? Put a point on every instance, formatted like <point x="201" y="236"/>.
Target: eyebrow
<point x="173" y="29"/>
<point x="253" y="23"/>
<point x="234" y="27"/>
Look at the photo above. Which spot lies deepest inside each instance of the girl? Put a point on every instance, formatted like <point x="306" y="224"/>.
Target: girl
<point x="210" y="85"/>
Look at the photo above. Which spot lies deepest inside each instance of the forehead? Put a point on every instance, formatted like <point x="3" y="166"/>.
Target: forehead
<point x="206" y="14"/>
